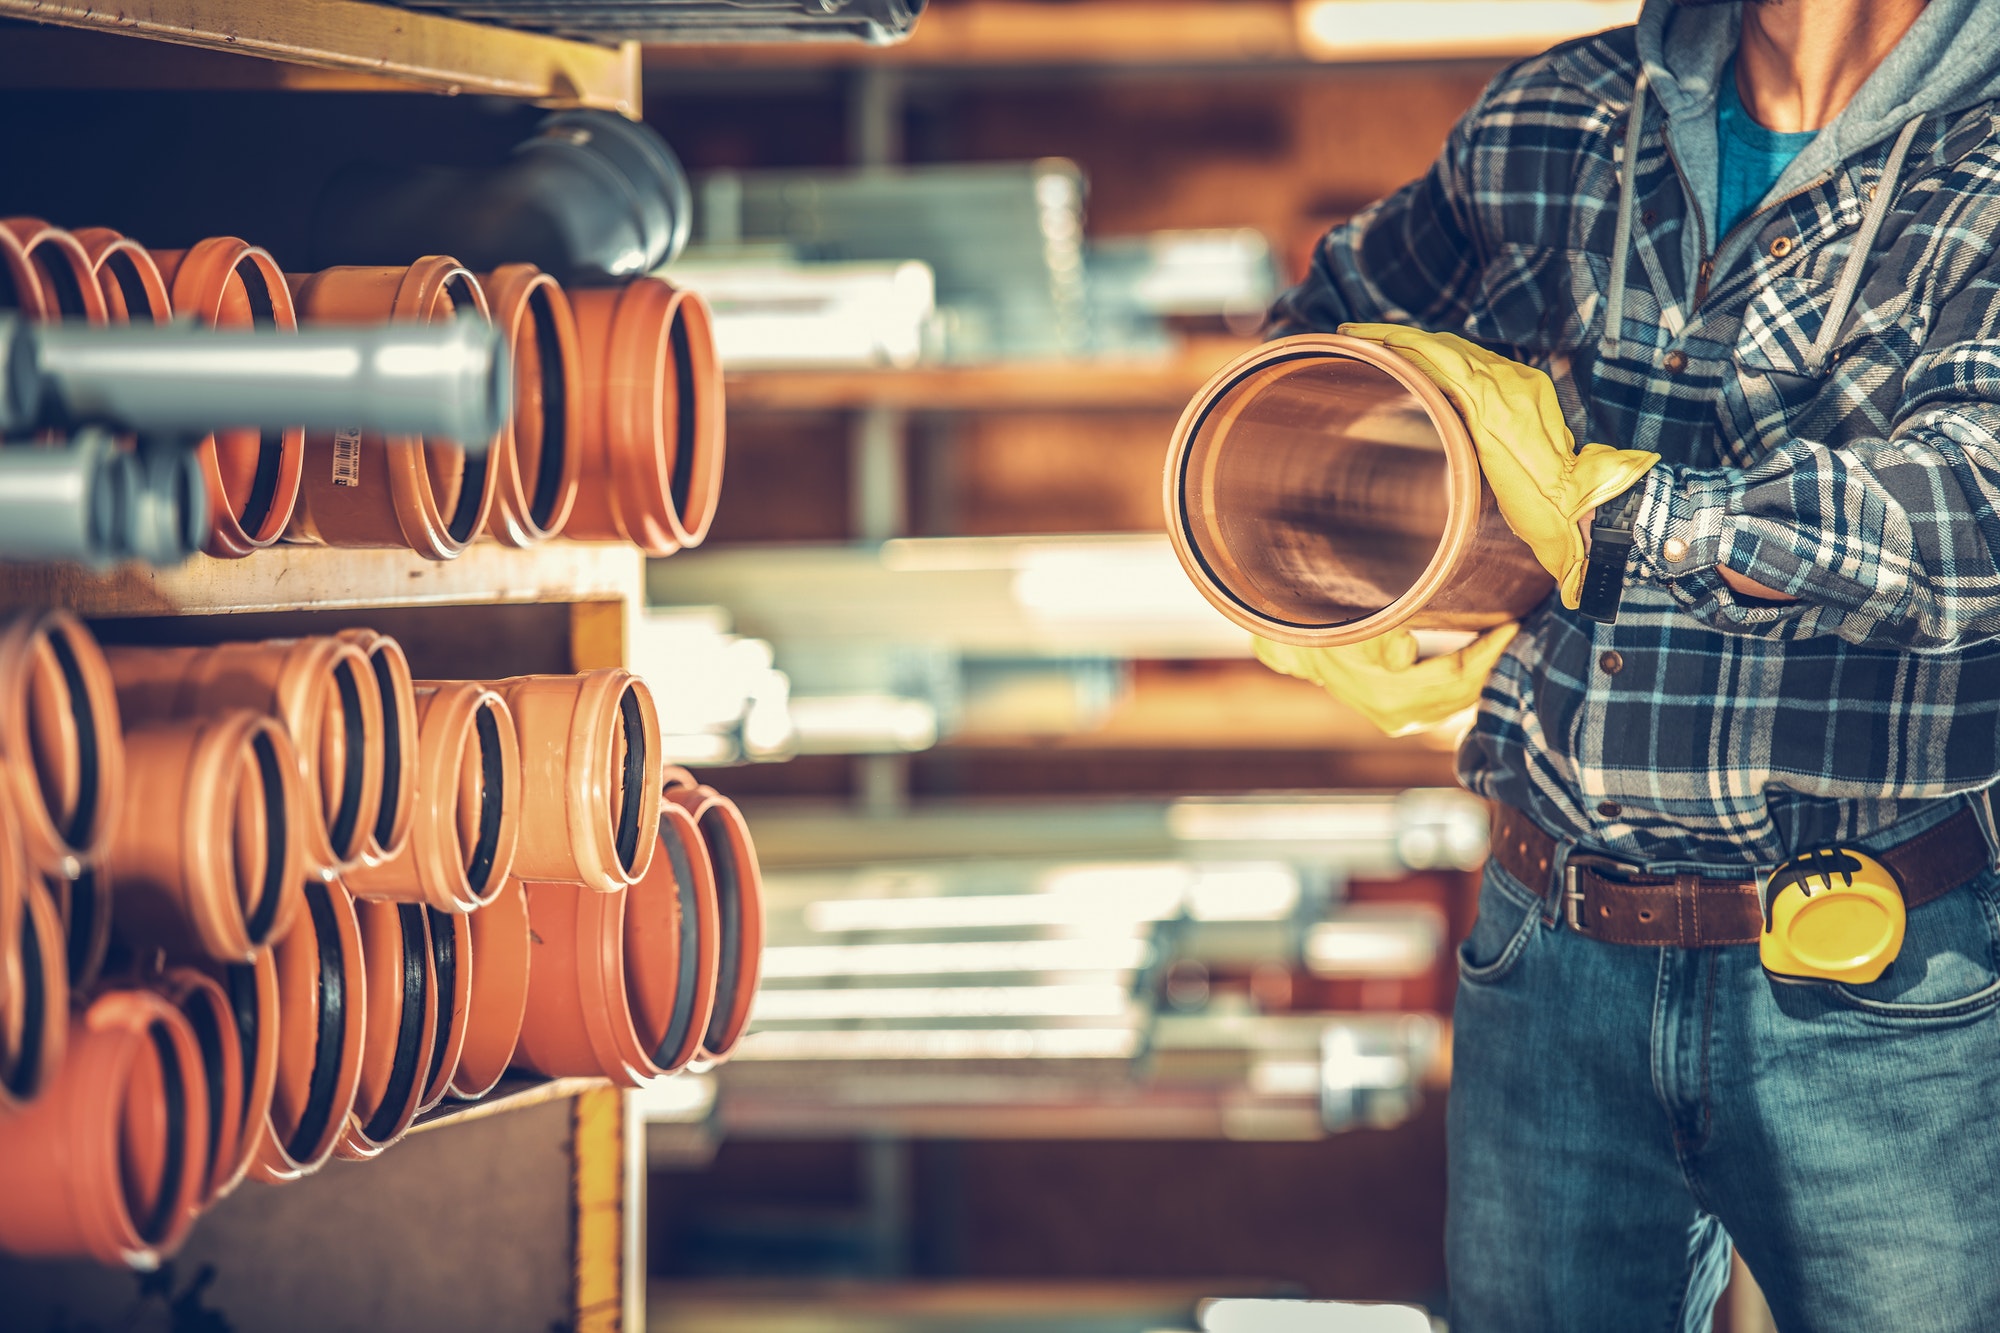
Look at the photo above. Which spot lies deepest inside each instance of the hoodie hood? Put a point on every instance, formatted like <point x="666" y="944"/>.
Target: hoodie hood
<point x="1947" y="61"/>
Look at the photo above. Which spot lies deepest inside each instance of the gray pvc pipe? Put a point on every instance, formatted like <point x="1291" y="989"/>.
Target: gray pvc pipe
<point x="91" y="502"/>
<point x="451" y="381"/>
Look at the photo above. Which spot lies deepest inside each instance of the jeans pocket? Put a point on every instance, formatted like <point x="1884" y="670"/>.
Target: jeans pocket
<point x="1948" y="967"/>
<point x="1508" y="915"/>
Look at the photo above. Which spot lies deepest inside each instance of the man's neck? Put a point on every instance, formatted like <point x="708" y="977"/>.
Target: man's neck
<point x="1800" y="61"/>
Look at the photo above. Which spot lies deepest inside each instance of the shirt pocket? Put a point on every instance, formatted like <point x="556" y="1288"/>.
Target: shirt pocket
<point x="1859" y="381"/>
<point x="1540" y="298"/>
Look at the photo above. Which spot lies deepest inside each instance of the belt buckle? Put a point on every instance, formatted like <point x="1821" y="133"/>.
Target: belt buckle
<point x="1573" y="896"/>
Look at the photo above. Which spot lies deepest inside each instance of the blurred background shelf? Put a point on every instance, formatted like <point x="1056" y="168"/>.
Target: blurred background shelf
<point x="514" y="1092"/>
<point x="318" y="45"/>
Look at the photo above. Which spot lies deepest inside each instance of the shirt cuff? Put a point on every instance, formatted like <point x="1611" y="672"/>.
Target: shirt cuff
<point x="1682" y="522"/>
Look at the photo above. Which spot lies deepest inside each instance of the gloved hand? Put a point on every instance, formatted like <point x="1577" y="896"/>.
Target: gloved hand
<point x="1541" y="480"/>
<point x="1382" y="680"/>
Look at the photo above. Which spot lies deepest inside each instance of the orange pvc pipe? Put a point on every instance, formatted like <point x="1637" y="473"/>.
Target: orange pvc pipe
<point x="15" y="876"/>
<point x="253" y="477"/>
<point x="468" y="812"/>
<point x="1320" y="490"/>
<point x="134" y="288"/>
<point x="322" y="1002"/>
<point x="399" y="1028"/>
<point x="590" y="771"/>
<point x="112" y="1162"/>
<point x="209" y="1014"/>
<point x="653" y="428"/>
<point x="672" y="974"/>
<point x="739" y="893"/>
<point x="60" y="753"/>
<point x="212" y="859"/>
<point x="252" y="989"/>
<point x="453" y="969"/>
<point x="322" y="689"/>
<point x="69" y="286"/>
<point x="396" y="491"/>
<point x="535" y="456"/>
<point x="37" y="1025"/>
<point x="390" y="832"/>
<point x="498" y="998"/>
<point x="20" y="284"/>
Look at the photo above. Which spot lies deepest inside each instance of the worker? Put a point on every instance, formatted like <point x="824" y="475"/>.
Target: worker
<point x="1749" y="255"/>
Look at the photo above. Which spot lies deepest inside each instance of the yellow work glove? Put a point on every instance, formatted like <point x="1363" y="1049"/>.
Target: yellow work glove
<point x="1382" y="679"/>
<point x="1541" y="480"/>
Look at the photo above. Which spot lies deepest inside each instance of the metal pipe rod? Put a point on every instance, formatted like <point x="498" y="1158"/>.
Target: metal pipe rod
<point x="447" y="381"/>
<point x="93" y="502"/>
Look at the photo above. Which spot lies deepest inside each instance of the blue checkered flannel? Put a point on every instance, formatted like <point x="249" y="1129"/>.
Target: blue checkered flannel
<point x="1705" y="729"/>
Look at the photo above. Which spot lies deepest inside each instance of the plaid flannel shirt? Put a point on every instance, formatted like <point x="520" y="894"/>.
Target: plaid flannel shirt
<point x="1704" y="729"/>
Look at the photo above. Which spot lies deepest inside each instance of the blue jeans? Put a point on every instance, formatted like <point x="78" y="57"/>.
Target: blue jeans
<point x="1619" y="1116"/>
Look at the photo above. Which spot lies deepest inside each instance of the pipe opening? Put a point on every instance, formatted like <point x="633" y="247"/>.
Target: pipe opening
<point x="1315" y="490"/>
<point x="715" y="834"/>
<point x="157" y="1082"/>
<point x="83" y="925"/>
<point x="392" y="746"/>
<point x="262" y="861"/>
<point x="239" y="980"/>
<point x="305" y="1140"/>
<point x="632" y="777"/>
<point x="688" y="412"/>
<point x="24" y="1075"/>
<point x="479" y="874"/>
<point x="457" y="476"/>
<point x="409" y="1026"/>
<point x="60" y="281"/>
<point x="132" y="290"/>
<point x="547" y="448"/>
<point x="256" y="510"/>
<point x="687" y="988"/>
<point x="444" y="962"/>
<point x="352" y="759"/>
<point x="199" y="1010"/>
<point x="70" y="778"/>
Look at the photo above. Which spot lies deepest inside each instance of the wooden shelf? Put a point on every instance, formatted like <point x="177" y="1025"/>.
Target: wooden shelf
<point x="305" y="44"/>
<point x="299" y="578"/>
<point x="1160" y="384"/>
<point x="511" y="1094"/>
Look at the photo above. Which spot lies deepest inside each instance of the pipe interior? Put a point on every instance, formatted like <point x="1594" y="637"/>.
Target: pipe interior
<point x="687" y="961"/>
<point x="392" y="745"/>
<point x="133" y="297"/>
<point x="316" y="1116"/>
<point x="716" y="833"/>
<point x="457" y="477"/>
<point x="23" y="1075"/>
<point x="689" y="408"/>
<point x="409" y="1024"/>
<point x="60" y="281"/>
<point x="63" y="737"/>
<point x="200" y="1011"/>
<point x="629" y="758"/>
<point x="343" y="760"/>
<point x="261" y="835"/>
<point x="249" y="462"/>
<point x="480" y="811"/>
<point x="152" y="1135"/>
<point x="444" y="966"/>
<point x="1315" y="490"/>
<point x="540" y="448"/>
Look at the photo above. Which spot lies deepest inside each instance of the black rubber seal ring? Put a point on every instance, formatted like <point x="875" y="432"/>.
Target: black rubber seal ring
<point x="269" y="894"/>
<point x="23" y="1077"/>
<point x="686" y="983"/>
<point x="174" y="1079"/>
<point x="729" y="915"/>
<point x="492" y="804"/>
<point x="392" y="748"/>
<point x="84" y="716"/>
<point x="208" y="1036"/>
<point x="555" y="446"/>
<point x="270" y="444"/>
<point x="318" y="1114"/>
<point x="409" y="1025"/>
<point x="348" y="814"/>
<point x="444" y="961"/>
<point x="681" y="479"/>
<point x="635" y="777"/>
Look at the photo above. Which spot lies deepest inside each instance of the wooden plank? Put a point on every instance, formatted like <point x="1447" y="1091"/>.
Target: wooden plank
<point x="598" y="1199"/>
<point x="1020" y="32"/>
<point x="1111" y="385"/>
<point x="514" y="1092"/>
<point x="302" y="578"/>
<point x="374" y="42"/>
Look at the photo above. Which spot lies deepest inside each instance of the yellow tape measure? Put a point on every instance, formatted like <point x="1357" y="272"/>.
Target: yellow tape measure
<point x="1831" y="915"/>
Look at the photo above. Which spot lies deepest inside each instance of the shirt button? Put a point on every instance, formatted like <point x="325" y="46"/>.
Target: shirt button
<point x="1612" y="662"/>
<point x="1675" y="550"/>
<point x="1675" y="362"/>
<point x="1609" y="809"/>
<point x="1781" y="247"/>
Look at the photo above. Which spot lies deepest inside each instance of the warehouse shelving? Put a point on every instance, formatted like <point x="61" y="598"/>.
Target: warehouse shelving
<point x="320" y="45"/>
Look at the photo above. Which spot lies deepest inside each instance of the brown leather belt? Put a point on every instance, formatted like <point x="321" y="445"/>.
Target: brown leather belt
<point x="1608" y="901"/>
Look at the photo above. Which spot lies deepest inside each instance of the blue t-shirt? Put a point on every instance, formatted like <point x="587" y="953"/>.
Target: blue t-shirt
<point x="1751" y="158"/>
